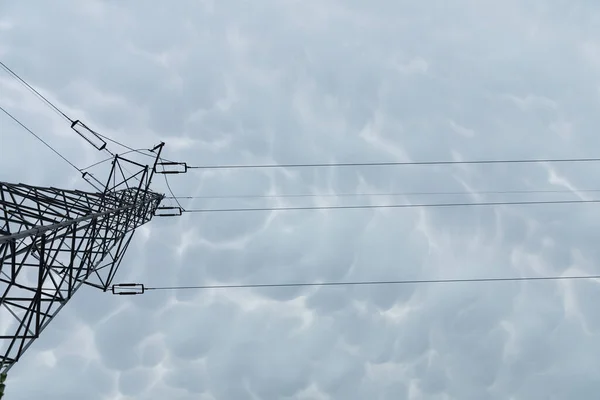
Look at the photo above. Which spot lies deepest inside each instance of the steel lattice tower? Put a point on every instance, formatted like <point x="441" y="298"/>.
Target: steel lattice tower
<point x="53" y="240"/>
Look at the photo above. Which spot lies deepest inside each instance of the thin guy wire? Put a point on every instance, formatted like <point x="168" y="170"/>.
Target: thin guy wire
<point x="14" y="74"/>
<point x="171" y="191"/>
<point x="277" y="196"/>
<point x="97" y="163"/>
<point x="383" y="164"/>
<point x="39" y="138"/>
<point x="371" y="206"/>
<point x="107" y="159"/>
<point x="131" y="149"/>
<point x="386" y="282"/>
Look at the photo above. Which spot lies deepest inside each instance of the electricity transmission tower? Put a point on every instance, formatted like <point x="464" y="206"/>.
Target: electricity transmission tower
<point x="53" y="240"/>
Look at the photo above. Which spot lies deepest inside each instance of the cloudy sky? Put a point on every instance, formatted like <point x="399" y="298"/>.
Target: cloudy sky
<point x="284" y="81"/>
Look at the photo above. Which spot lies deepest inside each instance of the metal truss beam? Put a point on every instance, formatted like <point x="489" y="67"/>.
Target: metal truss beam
<point x="52" y="241"/>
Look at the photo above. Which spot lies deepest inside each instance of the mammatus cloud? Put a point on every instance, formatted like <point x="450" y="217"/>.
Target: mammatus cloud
<point x="278" y="82"/>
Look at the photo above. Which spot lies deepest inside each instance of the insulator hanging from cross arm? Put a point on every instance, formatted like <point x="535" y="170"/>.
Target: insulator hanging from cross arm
<point x="168" y="167"/>
<point x="89" y="135"/>
<point x="128" y="289"/>
<point x="168" y="211"/>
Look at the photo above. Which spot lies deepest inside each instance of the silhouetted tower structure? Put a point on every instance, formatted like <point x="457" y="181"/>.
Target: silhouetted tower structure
<point x="54" y="240"/>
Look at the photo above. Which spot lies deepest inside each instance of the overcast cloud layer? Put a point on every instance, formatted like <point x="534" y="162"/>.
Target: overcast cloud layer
<point x="276" y="81"/>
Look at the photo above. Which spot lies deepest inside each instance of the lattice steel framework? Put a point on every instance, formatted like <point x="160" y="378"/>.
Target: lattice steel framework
<point x="53" y="240"/>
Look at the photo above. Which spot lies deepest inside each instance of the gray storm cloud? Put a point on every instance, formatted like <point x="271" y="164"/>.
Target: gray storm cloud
<point x="319" y="81"/>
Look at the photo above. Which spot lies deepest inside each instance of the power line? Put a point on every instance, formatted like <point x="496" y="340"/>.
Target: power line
<point x="58" y="110"/>
<point x="383" y="164"/>
<point x="383" y="282"/>
<point x="27" y="85"/>
<point x="311" y="195"/>
<point x="39" y="138"/>
<point x="63" y="114"/>
<point x="372" y="206"/>
<point x="314" y="165"/>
